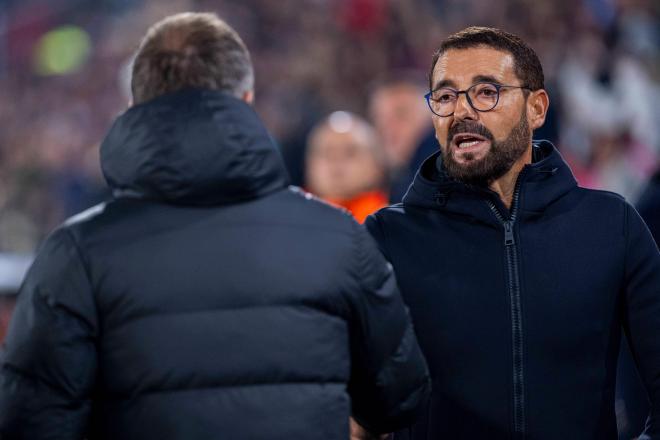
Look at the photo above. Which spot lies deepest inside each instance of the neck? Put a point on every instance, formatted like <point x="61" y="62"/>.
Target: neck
<point x="506" y="185"/>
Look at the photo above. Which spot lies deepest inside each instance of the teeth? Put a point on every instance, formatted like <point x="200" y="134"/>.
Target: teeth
<point x="467" y="144"/>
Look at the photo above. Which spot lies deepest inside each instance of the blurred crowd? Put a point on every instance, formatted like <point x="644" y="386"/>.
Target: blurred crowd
<point x="339" y="83"/>
<point x="367" y="59"/>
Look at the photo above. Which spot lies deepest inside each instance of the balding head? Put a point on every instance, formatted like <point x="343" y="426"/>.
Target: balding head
<point x="191" y="50"/>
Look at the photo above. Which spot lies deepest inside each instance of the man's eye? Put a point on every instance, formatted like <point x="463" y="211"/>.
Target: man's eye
<point x="445" y="97"/>
<point x="488" y="92"/>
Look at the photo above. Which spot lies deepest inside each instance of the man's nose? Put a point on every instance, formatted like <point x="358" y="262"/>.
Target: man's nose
<point x="463" y="108"/>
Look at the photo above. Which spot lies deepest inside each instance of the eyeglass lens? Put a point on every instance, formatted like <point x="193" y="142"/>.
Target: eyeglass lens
<point x="482" y="97"/>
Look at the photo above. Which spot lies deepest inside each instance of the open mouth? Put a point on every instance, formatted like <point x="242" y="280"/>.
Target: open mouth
<point x="469" y="141"/>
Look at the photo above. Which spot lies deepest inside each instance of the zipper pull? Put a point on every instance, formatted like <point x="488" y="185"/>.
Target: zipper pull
<point x="508" y="234"/>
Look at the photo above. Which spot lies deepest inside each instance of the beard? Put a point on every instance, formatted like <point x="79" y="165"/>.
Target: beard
<point x="499" y="159"/>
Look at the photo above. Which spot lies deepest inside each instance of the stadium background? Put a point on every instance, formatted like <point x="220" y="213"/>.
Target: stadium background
<point x="64" y="76"/>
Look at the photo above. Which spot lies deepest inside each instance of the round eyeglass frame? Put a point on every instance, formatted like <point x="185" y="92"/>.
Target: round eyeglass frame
<point x="467" y="96"/>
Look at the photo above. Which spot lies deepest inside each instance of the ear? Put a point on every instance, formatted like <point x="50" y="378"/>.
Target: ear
<point x="537" y="108"/>
<point x="248" y="97"/>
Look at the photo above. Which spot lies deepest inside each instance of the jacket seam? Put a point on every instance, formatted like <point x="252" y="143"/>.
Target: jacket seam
<point x="229" y="386"/>
<point x="83" y="261"/>
<point x="357" y="269"/>
<point x="386" y="240"/>
<point x="324" y="312"/>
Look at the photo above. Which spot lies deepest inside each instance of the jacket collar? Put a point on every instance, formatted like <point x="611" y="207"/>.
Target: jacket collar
<point x="542" y="183"/>
<point x="196" y="147"/>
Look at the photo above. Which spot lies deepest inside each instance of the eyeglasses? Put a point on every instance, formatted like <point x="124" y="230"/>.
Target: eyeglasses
<point x="482" y="97"/>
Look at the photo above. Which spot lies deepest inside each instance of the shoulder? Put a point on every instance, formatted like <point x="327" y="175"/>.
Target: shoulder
<point x="85" y="216"/>
<point x="600" y="202"/>
<point x="310" y="211"/>
<point x="393" y="216"/>
<point x="80" y="224"/>
<point x="398" y="211"/>
<point x="602" y="196"/>
<point x="606" y="207"/>
<point x="379" y="224"/>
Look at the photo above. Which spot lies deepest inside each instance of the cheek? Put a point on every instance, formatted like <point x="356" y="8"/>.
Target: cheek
<point x="500" y="124"/>
<point x="502" y="132"/>
<point x="441" y="126"/>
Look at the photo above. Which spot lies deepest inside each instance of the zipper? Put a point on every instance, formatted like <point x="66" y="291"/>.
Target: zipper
<point x="516" y="310"/>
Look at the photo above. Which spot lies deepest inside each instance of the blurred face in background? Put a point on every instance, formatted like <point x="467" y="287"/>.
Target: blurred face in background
<point x="343" y="159"/>
<point x="401" y="119"/>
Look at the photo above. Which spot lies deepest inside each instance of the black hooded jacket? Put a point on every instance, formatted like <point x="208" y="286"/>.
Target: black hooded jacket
<point x="520" y="313"/>
<point x="207" y="300"/>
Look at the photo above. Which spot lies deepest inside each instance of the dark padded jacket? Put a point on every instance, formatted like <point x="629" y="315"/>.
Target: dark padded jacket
<point x="520" y="313"/>
<point x="208" y="300"/>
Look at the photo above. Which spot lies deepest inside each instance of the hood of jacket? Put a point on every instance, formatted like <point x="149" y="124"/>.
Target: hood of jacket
<point x="541" y="183"/>
<point x="198" y="147"/>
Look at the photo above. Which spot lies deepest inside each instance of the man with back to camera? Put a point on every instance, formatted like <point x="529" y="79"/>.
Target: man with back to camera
<point x="207" y="299"/>
<point x="519" y="282"/>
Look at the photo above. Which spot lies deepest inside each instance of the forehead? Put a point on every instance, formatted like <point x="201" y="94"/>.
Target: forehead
<point x="462" y="66"/>
<point x="385" y="101"/>
<point x="329" y="139"/>
<point x="399" y="92"/>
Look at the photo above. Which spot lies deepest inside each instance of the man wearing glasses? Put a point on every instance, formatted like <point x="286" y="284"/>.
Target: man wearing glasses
<point x="519" y="282"/>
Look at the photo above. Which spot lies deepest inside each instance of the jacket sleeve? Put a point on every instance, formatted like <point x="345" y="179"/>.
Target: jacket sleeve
<point x="642" y="311"/>
<point x="48" y="361"/>
<point x="372" y="224"/>
<point x="389" y="382"/>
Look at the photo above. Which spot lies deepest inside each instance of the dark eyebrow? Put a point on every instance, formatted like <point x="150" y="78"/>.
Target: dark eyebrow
<point x="475" y="79"/>
<point x="485" y="78"/>
<point x="444" y="83"/>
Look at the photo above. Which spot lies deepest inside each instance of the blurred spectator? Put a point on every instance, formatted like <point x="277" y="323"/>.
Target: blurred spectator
<point x="403" y="122"/>
<point x="345" y="165"/>
<point x="617" y="147"/>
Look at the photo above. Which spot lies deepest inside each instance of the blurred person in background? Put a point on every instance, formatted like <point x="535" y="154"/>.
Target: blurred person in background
<point x="617" y="147"/>
<point x="520" y="282"/>
<point x="208" y="298"/>
<point x="345" y="165"/>
<point x="400" y="116"/>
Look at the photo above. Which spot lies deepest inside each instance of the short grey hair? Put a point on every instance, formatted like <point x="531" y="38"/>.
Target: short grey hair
<point x="191" y="50"/>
